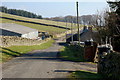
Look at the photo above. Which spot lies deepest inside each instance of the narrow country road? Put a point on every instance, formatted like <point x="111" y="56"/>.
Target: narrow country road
<point x="43" y="64"/>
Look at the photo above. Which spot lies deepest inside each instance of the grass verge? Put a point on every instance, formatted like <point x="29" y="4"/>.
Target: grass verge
<point x="72" y="53"/>
<point x="86" y="75"/>
<point x="14" y="51"/>
<point x="76" y="53"/>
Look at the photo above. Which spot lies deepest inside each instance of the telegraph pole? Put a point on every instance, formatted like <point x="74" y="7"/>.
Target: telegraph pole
<point x="78" y="23"/>
<point x="66" y="29"/>
<point x="71" y="30"/>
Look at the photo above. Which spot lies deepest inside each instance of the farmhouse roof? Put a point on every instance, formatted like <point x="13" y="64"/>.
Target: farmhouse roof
<point x="16" y="28"/>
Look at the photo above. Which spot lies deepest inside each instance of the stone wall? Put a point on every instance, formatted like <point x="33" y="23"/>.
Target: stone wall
<point x="7" y="41"/>
<point x="109" y="66"/>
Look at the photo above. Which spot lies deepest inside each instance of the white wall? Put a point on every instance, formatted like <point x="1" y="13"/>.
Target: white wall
<point x="31" y="35"/>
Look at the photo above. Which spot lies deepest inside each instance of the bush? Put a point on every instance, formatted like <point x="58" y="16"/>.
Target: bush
<point x="110" y="66"/>
<point x="117" y="45"/>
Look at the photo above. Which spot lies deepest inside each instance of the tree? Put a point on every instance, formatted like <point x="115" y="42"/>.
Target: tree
<point x="39" y="17"/>
<point x="112" y="24"/>
<point x="114" y="18"/>
<point x="3" y="9"/>
<point x="19" y="12"/>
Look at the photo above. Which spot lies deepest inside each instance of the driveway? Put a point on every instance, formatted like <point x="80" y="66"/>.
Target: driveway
<point x="43" y="64"/>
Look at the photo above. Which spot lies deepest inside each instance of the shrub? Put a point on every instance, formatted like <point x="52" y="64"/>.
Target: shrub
<point x="110" y="66"/>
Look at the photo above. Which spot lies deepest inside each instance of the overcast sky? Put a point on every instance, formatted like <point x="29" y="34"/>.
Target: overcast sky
<point x="52" y="9"/>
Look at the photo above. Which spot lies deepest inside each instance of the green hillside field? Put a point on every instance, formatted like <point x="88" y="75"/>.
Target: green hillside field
<point x="49" y="22"/>
<point x="51" y="30"/>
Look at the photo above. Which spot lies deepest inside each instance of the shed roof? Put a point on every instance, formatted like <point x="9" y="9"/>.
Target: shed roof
<point x="16" y="28"/>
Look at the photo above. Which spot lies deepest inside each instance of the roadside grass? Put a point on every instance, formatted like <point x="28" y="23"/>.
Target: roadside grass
<point x="76" y="53"/>
<point x="50" y="29"/>
<point x="72" y="53"/>
<point x="14" y="51"/>
<point x="86" y="75"/>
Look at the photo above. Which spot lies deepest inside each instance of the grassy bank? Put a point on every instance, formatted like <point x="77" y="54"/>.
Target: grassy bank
<point x="13" y="51"/>
<point x="72" y="53"/>
<point x="85" y="75"/>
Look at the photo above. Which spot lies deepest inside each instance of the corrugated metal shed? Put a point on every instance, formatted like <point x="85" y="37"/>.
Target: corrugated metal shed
<point x="16" y="28"/>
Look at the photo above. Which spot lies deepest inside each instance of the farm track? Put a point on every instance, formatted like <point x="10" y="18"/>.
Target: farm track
<point x="43" y="64"/>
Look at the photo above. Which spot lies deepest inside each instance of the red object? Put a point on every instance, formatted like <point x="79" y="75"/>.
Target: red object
<point x="90" y="52"/>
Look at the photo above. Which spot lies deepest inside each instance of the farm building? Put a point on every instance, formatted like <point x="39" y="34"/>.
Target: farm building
<point x="86" y="34"/>
<point x="11" y="29"/>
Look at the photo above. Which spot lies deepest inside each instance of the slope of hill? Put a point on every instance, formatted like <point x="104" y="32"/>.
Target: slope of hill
<point x="42" y="21"/>
<point x="51" y="30"/>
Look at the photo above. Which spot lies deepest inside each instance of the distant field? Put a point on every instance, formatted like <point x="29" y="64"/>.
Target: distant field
<point x="62" y="24"/>
<point x="51" y="30"/>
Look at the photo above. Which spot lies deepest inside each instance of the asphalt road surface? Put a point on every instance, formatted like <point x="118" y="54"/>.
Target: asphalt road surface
<point x="43" y="64"/>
